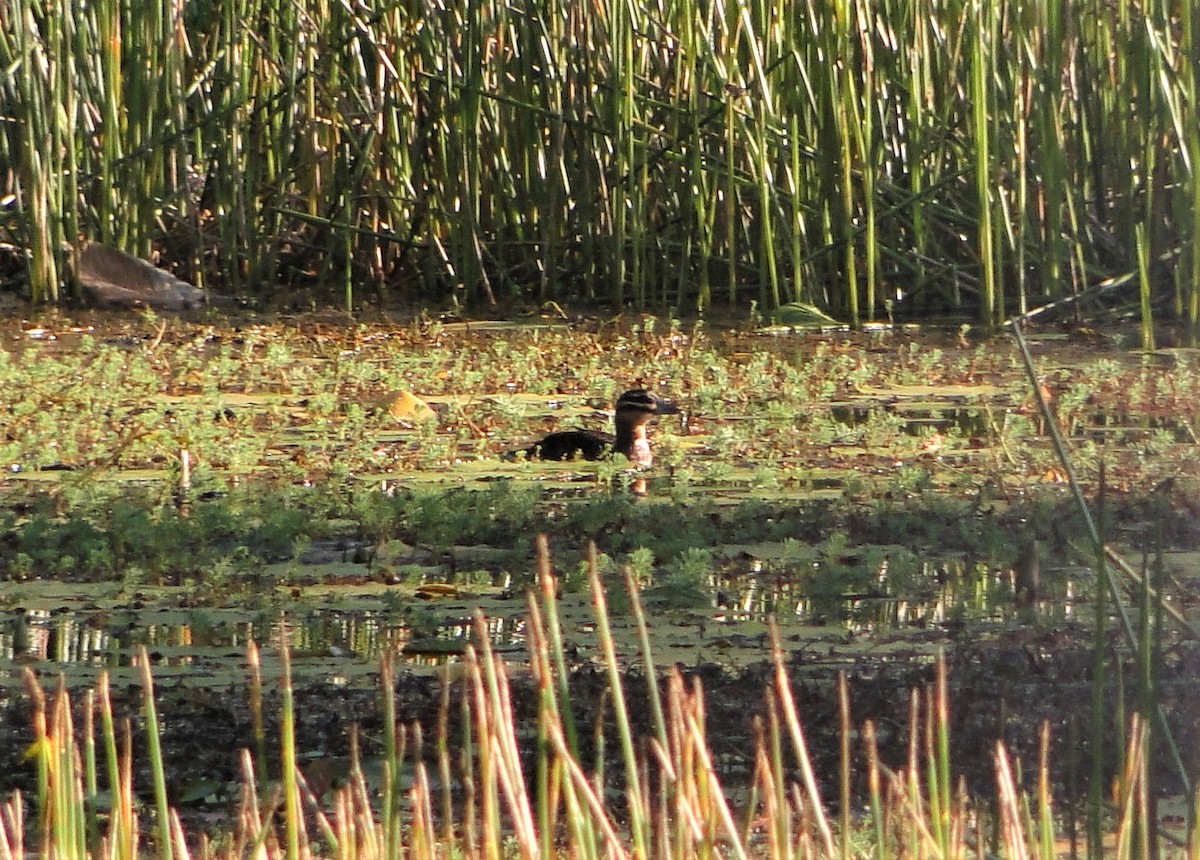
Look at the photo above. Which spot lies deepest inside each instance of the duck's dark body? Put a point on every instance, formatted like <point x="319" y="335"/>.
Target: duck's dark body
<point x="634" y="411"/>
<point x="569" y="444"/>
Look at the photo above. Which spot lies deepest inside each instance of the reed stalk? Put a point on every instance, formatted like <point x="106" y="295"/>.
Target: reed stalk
<point x="166" y="841"/>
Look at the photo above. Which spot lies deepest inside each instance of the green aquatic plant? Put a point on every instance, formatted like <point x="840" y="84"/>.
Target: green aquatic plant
<point x="443" y="519"/>
<point x="911" y="479"/>
<point x="49" y="546"/>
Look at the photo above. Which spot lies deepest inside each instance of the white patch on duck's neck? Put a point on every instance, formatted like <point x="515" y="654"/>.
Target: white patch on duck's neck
<point x="640" y="454"/>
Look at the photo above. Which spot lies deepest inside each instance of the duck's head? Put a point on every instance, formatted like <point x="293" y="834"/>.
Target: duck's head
<point x="639" y="406"/>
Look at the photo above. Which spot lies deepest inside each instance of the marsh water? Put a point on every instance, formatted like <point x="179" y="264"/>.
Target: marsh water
<point x="339" y="626"/>
<point x="347" y="492"/>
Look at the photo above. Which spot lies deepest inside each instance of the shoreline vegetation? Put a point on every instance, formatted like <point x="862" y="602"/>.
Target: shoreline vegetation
<point x="871" y="159"/>
<point x="529" y="789"/>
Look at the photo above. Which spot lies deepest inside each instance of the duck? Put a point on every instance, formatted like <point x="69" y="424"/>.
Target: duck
<point x="634" y="410"/>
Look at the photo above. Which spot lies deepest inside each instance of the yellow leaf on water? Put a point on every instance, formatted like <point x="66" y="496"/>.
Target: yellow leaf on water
<point x="406" y="406"/>
<point x="434" y="590"/>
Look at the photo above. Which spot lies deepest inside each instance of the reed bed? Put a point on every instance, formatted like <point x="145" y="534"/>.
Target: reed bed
<point x="970" y="156"/>
<point x="509" y="790"/>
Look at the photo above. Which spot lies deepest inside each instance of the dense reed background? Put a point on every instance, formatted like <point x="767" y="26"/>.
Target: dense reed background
<point x="976" y="156"/>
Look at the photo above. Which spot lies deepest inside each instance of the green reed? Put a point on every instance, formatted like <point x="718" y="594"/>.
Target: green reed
<point x="652" y="153"/>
